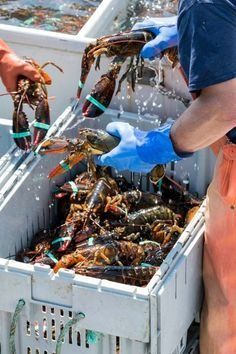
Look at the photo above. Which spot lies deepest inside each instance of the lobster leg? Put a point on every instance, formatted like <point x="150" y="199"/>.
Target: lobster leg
<point x="86" y="65"/>
<point x="42" y="124"/>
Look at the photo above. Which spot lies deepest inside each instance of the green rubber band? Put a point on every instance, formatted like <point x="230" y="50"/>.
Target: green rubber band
<point x="149" y="242"/>
<point x="93" y="337"/>
<point x="91" y="241"/>
<point x="68" y="238"/>
<point x="74" y="187"/>
<point x="20" y="135"/>
<point x="65" y="166"/>
<point x="146" y="265"/>
<point x="96" y="103"/>
<point x="42" y="125"/>
<point x="81" y="85"/>
<point x="50" y="255"/>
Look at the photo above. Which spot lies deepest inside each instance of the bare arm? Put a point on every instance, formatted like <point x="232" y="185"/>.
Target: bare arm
<point x="208" y="119"/>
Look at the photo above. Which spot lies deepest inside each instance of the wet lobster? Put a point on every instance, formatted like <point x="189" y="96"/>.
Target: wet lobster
<point x="35" y="95"/>
<point x="120" y="46"/>
<point x="90" y="142"/>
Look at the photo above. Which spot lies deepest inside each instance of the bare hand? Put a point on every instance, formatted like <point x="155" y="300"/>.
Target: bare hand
<point x="11" y="66"/>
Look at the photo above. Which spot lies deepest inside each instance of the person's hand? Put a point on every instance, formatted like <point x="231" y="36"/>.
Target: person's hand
<point x="11" y="66"/>
<point x="138" y="151"/>
<point x="165" y="30"/>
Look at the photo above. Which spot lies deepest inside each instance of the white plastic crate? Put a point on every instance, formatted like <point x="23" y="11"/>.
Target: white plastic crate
<point x="149" y="320"/>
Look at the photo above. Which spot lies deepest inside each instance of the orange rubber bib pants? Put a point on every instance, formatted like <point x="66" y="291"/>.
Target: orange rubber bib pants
<point x="218" y="320"/>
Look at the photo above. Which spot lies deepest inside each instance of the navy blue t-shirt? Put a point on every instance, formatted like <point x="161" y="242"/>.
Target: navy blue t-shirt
<point x="207" y="42"/>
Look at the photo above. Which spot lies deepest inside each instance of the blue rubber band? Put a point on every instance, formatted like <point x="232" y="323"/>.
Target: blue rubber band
<point x="81" y="85"/>
<point x="20" y="135"/>
<point x="74" y="187"/>
<point x="68" y="238"/>
<point x="42" y="125"/>
<point x="65" y="166"/>
<point x="50" y="255"/>
<point x="96" y="103"/>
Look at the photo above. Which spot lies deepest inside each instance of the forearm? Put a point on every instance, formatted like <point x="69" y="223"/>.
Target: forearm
<point x="208" y="119"/>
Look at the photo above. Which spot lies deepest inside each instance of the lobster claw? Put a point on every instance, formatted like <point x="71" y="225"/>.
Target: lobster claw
<point x="100" y="97"/>
<point x="66" y="164"/>
<point x="42" y="124"/>
<point x="53" y="146"/>
<point x="21" y="133"/>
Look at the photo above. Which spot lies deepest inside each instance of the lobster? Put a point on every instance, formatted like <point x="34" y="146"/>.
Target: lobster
<point x="120" y="46"/>
<point x="35" y="95"/>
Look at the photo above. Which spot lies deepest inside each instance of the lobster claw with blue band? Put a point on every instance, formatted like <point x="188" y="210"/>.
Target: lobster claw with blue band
<point x="120" y="46"/>
<point x="35" y="95"/>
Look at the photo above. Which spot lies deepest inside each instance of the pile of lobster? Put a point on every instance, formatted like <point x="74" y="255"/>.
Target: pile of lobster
<point x="108" y="229"/>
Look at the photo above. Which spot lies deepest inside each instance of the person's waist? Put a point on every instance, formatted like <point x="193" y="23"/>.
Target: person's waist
<point x="232" y="135"/>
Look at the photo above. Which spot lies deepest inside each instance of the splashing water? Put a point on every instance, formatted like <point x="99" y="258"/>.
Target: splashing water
<point x="138" y="9"/>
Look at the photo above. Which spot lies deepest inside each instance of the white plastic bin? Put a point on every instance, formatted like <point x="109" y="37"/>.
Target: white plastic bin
<point x="130" y="319"/>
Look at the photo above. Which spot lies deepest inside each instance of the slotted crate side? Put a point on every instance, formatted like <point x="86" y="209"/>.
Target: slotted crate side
<point x="176" y="302"/>
<point x="38" y="333"/>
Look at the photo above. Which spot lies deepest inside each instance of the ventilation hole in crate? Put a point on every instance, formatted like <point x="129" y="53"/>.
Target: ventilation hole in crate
<point x="28" y="329"/>
<point x="28" y="350"/>
<point x="86" y="340"/>
<point x="53" y="330"/>
<point x="62" y="313"/>
<point x="61" y="329"/>
<point x="37" y="351"/>
<point x="117" y="345"/>
<point x="45" y="352"/>
<point x="36" y="329"/>
<point x="44" y="309"/>
<point x="45" y="328"/>
<point x="52" y="310"/>
<point x="70" y="335"/>
<point x="70" y="314"/>
<point x="78" y="339"/>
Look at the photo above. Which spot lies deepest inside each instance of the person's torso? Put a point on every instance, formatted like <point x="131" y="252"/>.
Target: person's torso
<point x="186" y="4"/>
<point x="228" y="10"/>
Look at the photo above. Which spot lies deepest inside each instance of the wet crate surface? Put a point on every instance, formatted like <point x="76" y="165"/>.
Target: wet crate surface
<point x="146" y="314"/>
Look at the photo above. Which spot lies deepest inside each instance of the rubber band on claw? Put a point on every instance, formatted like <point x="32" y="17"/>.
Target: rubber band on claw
<point x="41" y="125"/>
<point x="81" y="85"/>
<point x="96" y="103"/>
<point x="20" y="135"/>
<point x="51" y="256"/>
<point x="65" y="166"/>
<point x="75" y="189"/>
<point x="61" y="239"/>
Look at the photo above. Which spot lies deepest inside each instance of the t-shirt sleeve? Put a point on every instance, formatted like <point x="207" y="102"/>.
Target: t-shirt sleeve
<point x="207" y="43"/>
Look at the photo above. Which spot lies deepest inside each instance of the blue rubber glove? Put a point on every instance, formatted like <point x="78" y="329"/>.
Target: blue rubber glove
<point x="139" y="151"/>
<point x="165" y="30"/>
